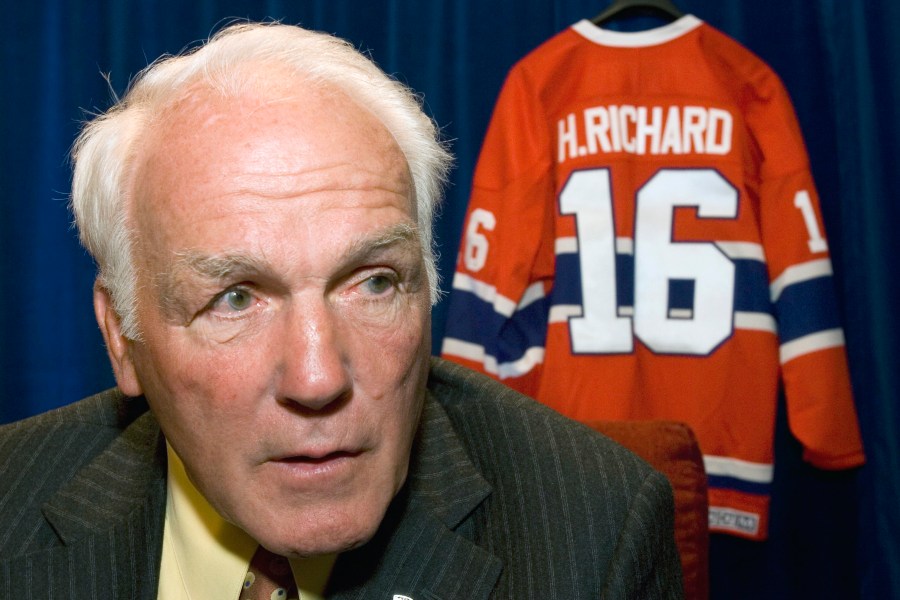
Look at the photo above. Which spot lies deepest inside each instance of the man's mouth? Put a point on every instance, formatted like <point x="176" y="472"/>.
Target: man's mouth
<point x="316" y="460"/>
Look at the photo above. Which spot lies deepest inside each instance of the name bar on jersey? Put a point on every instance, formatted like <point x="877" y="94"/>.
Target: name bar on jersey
<point x="632" y="129"/>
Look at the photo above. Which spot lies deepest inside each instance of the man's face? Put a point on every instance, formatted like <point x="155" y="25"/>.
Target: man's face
<point x="284" y="309"/>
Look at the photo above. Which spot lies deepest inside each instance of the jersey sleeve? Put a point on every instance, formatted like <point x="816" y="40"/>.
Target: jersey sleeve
<point x="813" y="358"/>
<point x="497" y="319"/>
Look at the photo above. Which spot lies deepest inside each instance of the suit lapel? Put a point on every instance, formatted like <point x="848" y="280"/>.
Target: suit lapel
<point x="424" y="549"/>
<point x="110" y="519"/>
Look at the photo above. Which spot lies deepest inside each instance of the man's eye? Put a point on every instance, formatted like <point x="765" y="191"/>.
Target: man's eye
<point x="236" y="300"/>
<point x="378" y="284"/>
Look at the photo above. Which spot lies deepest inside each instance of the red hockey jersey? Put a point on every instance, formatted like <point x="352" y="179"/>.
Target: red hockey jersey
<point x="644" y="241"/>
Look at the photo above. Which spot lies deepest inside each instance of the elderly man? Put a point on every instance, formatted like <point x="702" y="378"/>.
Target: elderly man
<point x="260" y="213"/>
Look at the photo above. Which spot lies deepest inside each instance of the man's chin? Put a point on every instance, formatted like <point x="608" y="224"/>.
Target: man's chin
<point x="330" y="534"/>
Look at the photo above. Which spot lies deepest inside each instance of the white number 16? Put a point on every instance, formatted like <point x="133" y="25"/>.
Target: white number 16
<point x="658" y="260"/>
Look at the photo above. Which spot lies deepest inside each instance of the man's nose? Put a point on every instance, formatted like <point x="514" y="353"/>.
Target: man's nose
<point x="315" y="366"/>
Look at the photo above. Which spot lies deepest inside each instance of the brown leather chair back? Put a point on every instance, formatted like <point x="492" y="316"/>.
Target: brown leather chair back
<point x="672" y="449"/>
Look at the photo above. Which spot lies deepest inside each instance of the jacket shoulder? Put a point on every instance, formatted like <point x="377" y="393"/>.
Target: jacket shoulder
<point x="570" y="509"/>
<point x="41" y="454"/>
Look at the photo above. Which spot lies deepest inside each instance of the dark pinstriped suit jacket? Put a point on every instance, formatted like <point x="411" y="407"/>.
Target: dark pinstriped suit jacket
<point x="505" y="499"/>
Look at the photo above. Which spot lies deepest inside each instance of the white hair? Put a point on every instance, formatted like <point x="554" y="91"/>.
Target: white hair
<point x="104" y="153"/>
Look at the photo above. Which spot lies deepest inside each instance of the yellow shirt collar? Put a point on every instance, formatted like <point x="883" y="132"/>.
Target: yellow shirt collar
<point x="205" y="556"/>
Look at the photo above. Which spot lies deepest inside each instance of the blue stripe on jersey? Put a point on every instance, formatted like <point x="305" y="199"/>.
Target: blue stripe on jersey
<point x="730" y="483"/>
<point x="567" y="282"/>
<point x="751" y="292"/>
<point x="625" y="279"/>
<point x="473" y="320"/>
<point x="751" y="287"/>
<point x="807" y="307"/>
<point x="526" y="329"/>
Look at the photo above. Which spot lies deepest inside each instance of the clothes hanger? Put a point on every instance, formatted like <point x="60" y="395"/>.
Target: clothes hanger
<point x="656" y="7"/>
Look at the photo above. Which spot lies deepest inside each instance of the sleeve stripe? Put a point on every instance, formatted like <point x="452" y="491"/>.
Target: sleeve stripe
<point x="534" y="293"/>
<point x="475" y="353"/>
<point x="462" y="349"/>
<point x="738" y="469"/>
<point x="532" y="358"/>
<point x="798" y="273"/>
<point x="832" y="338"/>
<point x="742" y="250"/>
<point x="486" y="292"/>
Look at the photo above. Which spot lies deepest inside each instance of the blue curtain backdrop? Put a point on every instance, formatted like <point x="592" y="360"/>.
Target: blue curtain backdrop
<point x="834" y="535"/>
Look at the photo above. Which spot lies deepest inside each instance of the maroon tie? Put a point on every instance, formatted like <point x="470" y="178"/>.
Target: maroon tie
<point x="269" y="578"/>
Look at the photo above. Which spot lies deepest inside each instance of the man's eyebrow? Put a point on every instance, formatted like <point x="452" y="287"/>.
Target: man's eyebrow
<point x="401" y="234"/>
<point x="211" y="268"/>
<point x="215" y="268"/>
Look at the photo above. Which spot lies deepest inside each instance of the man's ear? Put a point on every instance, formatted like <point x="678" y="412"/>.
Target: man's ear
<point x="117" y="345"/>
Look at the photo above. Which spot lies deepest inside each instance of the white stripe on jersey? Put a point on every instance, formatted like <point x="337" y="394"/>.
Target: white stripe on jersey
<point x="533" y="357"/>
<point x="463" y="349"/>
<point x="533" y="293"/>
<point x="569" y="245"/>
<point x="743" y="250"/>
<point x="560" y="313"/>
<point x="799" y="273"/>
<point x="756" y="321"/>
<point x="625" y="245"/>
<point x="486" y="292"/>
<point x="738" y="469"/>
<point x="832" y="338"/>
<point x="475" y="352"/>
<point x="566" y="245"/>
